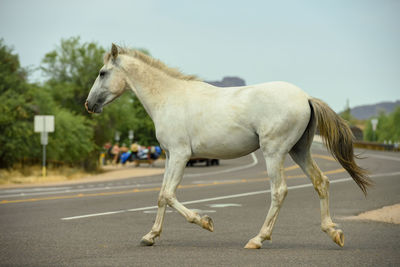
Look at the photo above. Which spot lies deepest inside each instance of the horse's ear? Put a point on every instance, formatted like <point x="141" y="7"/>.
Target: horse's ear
<point x="114" y="51"/>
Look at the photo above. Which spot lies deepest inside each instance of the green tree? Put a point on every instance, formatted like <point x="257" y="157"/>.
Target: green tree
<point x="71" y="70"/>
<point x="346" y="114"/>
<point x="20" y="102"/>
<point x="15" y="112"/>
<point x="388" y="128"/>
<point x="71" y="141"/>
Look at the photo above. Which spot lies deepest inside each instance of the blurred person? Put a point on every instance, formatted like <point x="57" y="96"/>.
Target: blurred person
<point x="155" y="152"/>
<point x="115" y="154"/>
<point x="124" y="154"/>
<point x="107" y="153"/>
<point x="134" y="151"/>
<point x="143" y="152"/>
<point x="123" y="149"/>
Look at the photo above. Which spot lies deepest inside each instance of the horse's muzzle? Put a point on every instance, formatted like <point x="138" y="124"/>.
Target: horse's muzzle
<point x="92" y="109"/>
<point x="87" y="107"/>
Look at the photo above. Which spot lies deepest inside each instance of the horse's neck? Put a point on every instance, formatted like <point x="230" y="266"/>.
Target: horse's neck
<point x="153" y="87"/>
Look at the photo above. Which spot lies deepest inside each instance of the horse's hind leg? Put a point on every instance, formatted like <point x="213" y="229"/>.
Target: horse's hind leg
<point x="302" y="156"/>
<point x="278" y="194"/>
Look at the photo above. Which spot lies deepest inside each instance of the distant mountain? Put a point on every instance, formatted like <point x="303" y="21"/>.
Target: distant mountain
<point x="367" y="111"/>
<point x="228" y="82"/>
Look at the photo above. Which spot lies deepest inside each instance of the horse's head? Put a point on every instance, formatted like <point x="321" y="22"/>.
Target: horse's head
<point x="108" y="85"/>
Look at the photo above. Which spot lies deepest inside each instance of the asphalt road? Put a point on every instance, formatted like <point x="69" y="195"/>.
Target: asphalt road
<point x="101" y="224"/>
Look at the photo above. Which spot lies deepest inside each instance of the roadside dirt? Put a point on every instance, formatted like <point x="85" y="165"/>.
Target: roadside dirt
<point x="109" y="173"/>
<point x="388" y="214"/>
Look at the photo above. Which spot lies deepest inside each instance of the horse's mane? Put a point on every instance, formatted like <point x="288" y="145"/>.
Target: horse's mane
<point x="155" y="63"/>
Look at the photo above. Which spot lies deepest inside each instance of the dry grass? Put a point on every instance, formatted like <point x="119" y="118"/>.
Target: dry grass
<point x="33" y="175"/>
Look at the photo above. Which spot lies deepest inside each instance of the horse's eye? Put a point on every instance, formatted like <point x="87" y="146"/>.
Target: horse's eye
<point x="102" y="73"/>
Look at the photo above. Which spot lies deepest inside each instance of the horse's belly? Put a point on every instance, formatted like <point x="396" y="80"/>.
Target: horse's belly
<point x="225" y="146"/>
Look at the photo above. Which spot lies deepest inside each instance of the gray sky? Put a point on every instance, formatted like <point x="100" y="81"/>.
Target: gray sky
<point x="334" y="50"/>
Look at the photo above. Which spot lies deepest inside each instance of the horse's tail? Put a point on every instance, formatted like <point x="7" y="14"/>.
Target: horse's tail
<point x="338" y="138"/>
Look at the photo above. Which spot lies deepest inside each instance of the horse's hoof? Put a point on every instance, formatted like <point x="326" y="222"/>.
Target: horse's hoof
<point x="338" y="238"/>
<point x="207" y="223"/>
<point x="253" y="245"/>
<point x="146" y="243"/>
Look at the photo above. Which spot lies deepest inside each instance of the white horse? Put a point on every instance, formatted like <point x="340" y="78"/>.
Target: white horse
<point x="196" y="119"/>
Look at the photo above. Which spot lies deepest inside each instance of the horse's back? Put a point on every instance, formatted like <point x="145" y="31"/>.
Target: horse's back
<point x="280" y="101"/>
<point x="272" y="104"/>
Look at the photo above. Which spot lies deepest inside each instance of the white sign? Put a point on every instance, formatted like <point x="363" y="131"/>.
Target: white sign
<point x="374" y="124"/>
<point x="44" y="124"/>
<point x="117" y="134"/>
<point x="130" y="135"/>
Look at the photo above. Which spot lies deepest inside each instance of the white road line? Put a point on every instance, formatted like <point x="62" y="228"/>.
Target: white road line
<point x="224" y="197"/>
<point x="381" y="157"/>
<point x="95" y="214"/>
<point x="216" y="181"/>
<point x="28" y="190"/>
<point x="80" y="190"/>
<point x="222" y="205"/>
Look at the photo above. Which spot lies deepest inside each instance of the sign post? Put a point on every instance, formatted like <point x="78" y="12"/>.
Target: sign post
<point x="130" y="136"/>
<point x="117" y="136"/>
<point x="44" y="125"/>
<point x="374" y="123"/>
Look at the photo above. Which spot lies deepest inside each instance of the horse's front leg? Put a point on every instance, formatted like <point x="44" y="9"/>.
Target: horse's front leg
<point x="169" y="194"/>
<point x="172" y="178"/>
<point x="149" y="238"/>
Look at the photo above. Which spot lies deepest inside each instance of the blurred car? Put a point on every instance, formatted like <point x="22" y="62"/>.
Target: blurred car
<point x="209" y="162"/>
